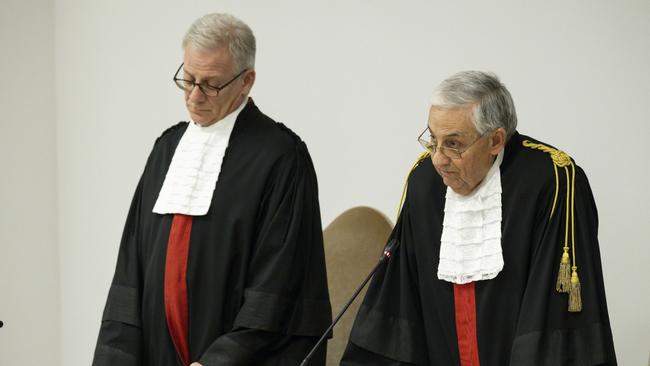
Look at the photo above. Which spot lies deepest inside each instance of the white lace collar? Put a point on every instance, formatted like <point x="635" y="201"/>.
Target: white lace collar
<point x="470" y="246"/>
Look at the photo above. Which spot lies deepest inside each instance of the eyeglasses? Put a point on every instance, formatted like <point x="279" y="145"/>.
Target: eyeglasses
<point x="430" y="144"/>
<point x="207" y="89"/>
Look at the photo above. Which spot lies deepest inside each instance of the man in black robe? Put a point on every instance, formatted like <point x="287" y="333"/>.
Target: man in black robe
<point x="221" y="260"/>
<point x="499" y="261"/>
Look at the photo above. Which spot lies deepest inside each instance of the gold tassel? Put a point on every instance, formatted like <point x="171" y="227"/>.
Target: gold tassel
<point x="575" y="300"/>
<point x="564" y="274"/>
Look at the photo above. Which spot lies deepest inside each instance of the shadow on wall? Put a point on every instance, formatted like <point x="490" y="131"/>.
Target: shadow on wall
<point x="354" y="241"/>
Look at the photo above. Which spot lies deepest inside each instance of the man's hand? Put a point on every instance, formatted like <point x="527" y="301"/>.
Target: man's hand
<point x="196" y="364"/>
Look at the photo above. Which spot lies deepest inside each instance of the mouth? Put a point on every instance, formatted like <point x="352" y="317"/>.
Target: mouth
<point x="194" y="107"/>
<point x="196" y="111"/>
<point x="445" y="174"/>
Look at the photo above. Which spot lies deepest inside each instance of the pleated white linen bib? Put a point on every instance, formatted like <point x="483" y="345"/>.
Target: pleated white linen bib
<point x="195" y="167"/>
<point x="470" y="246"/>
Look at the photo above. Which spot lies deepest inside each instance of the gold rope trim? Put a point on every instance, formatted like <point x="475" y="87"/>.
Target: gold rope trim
<point x="559" y="159"/>
<point x="564" y="274"/>
<point x="557" y="184"/>
<point x="422" y="156"/>
<point x="573" y="195"/>
<point x="575" y="300"/>
<point x="565" y="282"/>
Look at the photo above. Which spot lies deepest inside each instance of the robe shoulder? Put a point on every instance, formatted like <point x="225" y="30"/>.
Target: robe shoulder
<point x="259" y="132"/>
<point x="173" y="133"/>
<point x="537" y="163"/>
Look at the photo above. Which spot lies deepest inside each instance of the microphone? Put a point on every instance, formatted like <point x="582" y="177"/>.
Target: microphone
<point x="389" y="249"/>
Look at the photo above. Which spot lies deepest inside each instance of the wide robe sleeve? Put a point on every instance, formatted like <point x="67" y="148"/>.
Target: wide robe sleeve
<point x="120" y="334"/>
<point x="388" y="328"/>
<point x="286" y="303"/>
<point x="547" y="333"/>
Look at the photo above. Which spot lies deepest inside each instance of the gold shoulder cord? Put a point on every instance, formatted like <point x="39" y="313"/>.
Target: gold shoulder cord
<point x="422" y="156"/>
<point x="565" y="282"/>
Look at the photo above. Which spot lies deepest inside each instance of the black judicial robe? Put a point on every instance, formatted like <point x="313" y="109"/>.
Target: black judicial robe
<point x="407" y="317"/>
<point x="256" y="280"/>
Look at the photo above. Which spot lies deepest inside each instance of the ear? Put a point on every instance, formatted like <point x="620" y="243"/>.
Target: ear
<point x="249" y="80"/>
<point x="497" y="141"/>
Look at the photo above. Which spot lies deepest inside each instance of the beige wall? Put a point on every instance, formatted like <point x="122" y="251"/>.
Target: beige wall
<point x="29" y="276"/>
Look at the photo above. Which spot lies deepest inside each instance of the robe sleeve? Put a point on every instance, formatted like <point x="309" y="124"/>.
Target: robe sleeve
<point x="286" y="304"/>
<point x="388" y="328"/>
<point x="120" y="335"/>
<point x="547" y="333"/>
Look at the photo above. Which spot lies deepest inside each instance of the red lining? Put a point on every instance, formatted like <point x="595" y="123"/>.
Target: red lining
<point x="465" y="303"/>
<point x="176" y="309"/>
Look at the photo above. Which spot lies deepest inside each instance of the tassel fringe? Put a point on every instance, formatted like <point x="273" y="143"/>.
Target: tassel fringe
<point x="564" y="274"/>
<point x="575" y="299"/>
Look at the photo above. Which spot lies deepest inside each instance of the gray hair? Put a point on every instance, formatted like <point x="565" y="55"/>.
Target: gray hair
<point x="218" y="30"/>
<point x="492" y="103"/>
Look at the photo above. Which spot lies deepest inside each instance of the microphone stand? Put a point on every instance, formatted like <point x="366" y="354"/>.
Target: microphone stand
<point x="388" y="252"/>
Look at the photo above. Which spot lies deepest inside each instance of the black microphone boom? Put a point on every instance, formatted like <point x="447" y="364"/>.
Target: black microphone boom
<point x="388" y="252"/>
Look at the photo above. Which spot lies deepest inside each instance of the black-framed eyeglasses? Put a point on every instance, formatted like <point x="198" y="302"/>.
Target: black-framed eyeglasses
<point x="430" y="144"/>
<point x="207" y="89"/>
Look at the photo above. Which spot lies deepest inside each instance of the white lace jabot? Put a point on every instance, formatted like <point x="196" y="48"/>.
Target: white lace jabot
<point x="470" y="246"/>
<point x="195" y="167"/>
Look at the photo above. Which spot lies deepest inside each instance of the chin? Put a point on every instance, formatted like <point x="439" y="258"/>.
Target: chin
<point x="451" y="183"/>
<point x="462" y="193"/>
<point x="460" y="189"/>
<point x="201" y="121"/>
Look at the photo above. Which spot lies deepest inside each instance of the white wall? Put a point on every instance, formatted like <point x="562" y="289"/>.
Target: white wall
<point x="353" y="79"/>
<point x="29" y="276"/>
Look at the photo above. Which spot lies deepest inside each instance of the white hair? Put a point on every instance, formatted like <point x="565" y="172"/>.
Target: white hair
<point x="218" y="30"/>
<point x="492" y="103"/>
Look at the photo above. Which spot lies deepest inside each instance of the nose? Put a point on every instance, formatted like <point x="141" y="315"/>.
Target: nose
<point x="440" y="159"/>
<point x="195" y="95"/>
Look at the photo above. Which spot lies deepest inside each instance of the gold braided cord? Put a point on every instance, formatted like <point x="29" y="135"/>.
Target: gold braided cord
<point x="575" y="298"/>
<point x="557" y="184"/>
<point x="560" y="158"/>
<point x="563" y="283"/>
<point x="573" y="196"/>
<point x="566" y="233"/>
<point x="422" y="156"/>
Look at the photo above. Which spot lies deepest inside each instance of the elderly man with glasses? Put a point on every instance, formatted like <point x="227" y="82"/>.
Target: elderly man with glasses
<point x="499" y="261"/>
<point x="221" y="260"/>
